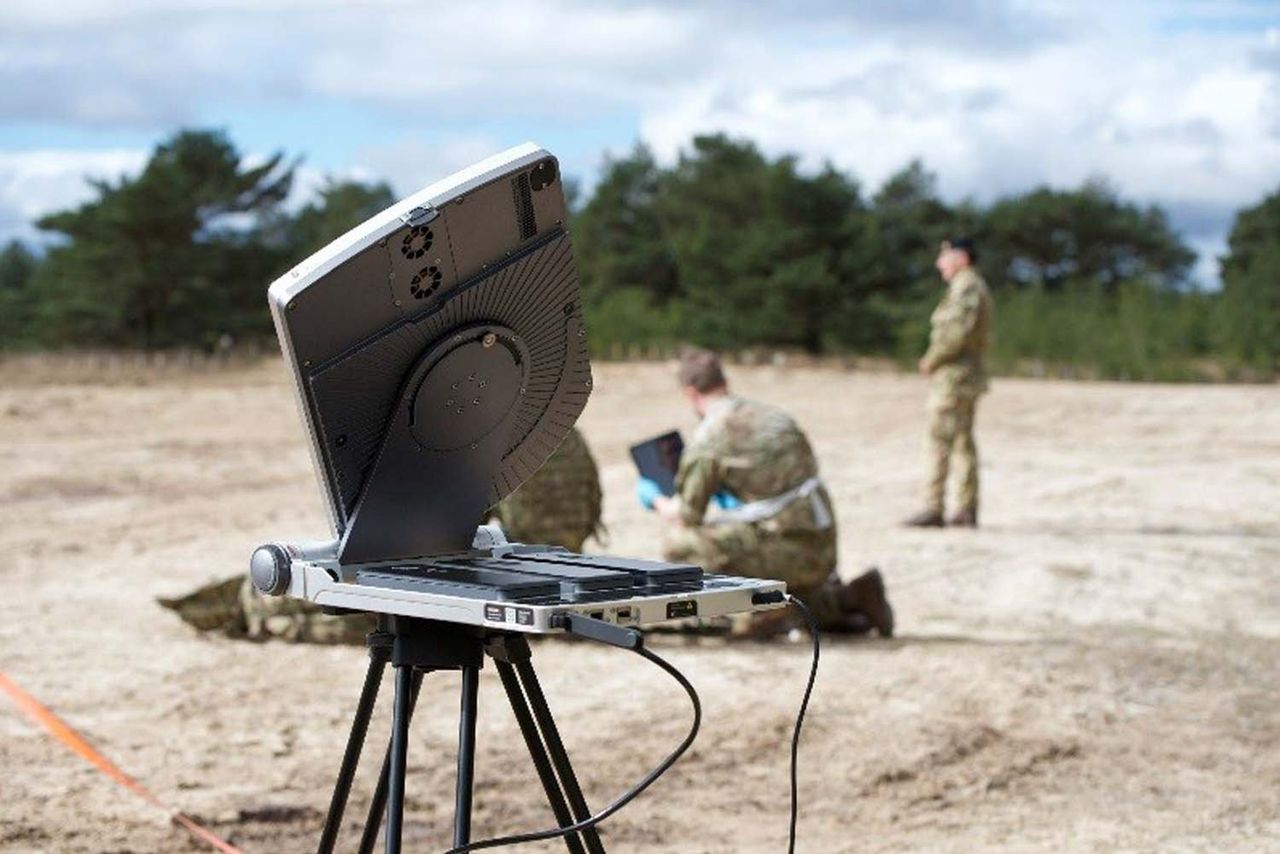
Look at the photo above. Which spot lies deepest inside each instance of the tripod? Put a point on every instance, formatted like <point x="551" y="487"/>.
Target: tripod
<point x="415" y="647"/>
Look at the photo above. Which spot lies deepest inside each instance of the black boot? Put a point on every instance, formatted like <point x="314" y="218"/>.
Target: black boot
<point x="865" y="595"/>
<point x="924" y="519"/>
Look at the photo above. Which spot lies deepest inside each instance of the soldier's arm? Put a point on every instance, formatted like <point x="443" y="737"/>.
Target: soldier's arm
<point x="950" y="336"/>
<point x="697" y="481"/>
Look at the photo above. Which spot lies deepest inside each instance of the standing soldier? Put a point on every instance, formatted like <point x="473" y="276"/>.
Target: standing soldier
<point x="776" y="519"/>
<point x="956" y="362"/>
<point x="559" y="505"/>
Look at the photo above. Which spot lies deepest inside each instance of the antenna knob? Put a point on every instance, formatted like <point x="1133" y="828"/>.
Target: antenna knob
<point x="269" y="569"/>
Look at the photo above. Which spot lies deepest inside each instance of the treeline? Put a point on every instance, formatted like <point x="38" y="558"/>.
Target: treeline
<point x="734" y="249"/>
<point x="726" y="247"/>
<point x="178" y="257"/>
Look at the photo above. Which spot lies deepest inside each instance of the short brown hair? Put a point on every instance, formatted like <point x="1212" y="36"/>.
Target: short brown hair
<point x="701" y="369"/>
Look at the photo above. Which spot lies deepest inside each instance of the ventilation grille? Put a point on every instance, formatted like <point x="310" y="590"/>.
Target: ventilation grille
<point x="523" y="196"/>
<point x="416" y="242"/>
<point x="426" y="282"/>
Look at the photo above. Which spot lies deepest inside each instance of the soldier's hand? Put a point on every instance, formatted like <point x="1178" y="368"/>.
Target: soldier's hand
<point x="647" y="492"/>
<point x="668" y="508"/>
<point x="924" y="368"/>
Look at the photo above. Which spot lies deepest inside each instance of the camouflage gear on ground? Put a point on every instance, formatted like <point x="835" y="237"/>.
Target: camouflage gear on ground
<point x="286" y="618"/>
<point x="958" y="342"/>
<point x="234" y="607"/>
<point x="214" y="607"/>
<point x="560" y="505"/>
<point x="756" y="452"/>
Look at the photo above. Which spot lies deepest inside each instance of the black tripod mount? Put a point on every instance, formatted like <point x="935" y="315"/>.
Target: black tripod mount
<point x="415" y="647"/>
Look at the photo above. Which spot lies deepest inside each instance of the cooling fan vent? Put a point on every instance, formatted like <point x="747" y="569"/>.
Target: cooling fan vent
<point x="426" y="282"/>
<point x="523" y="198"/>
<point x="416" y="242"/>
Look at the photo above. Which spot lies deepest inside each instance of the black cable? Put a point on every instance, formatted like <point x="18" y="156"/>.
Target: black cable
<point x="630" y="794"/>
<point x="804" y="706"/>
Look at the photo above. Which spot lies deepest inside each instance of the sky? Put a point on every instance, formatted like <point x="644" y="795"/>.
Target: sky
<point x="1176" y="103"/>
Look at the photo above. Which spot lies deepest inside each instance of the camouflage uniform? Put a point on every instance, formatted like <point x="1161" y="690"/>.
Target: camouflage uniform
<point x="234" y="607"/>
<point x="559" y="505"/>
<point x="958" y="342"/>
<point x="756" y="452"/>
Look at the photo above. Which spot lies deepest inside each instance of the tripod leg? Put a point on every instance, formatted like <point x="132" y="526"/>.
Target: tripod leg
<point x="466" y="756"/>
<point x="559" y="757"/>
<point x="399" y="757"/>
<point x="378" y="805"/>
<point x="355" y="743"/>
<point x="541" y="763"/>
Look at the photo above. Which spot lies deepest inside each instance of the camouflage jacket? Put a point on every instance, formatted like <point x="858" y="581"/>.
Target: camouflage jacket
<point x="755" y="451"/>
<point x="959" y="337"/>
<point x="560" y="505"/>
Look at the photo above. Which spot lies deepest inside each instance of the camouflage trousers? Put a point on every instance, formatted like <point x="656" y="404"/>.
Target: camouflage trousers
<point x="235" y="608"/>
<point x="951" y="440"/>
<point x="805" y="562"/>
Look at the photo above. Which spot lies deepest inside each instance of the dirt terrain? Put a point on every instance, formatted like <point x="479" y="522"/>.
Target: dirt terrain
<point x="1097" y="668"/>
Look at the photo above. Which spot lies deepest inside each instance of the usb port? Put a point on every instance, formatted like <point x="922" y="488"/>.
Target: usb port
<point x="682" y="608"/>
<point x="596" y="615"/>
<point x="624" y="613"/>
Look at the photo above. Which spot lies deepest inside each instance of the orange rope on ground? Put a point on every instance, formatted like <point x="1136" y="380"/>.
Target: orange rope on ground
<point x="41" y="714"/>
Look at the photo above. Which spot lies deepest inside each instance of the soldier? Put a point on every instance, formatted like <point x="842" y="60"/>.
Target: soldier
<point x="559" y="505"/>
<point x="958" y="341"/>
<point x="754" y="460"/>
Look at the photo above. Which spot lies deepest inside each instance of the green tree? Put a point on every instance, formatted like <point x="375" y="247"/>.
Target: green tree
<point x="172" y="257"/>
<point x="908" y="220"/>
<point x="338" y="207"/>
<point x="17" y="267"/>
<point x="1053" y="237"/>
<point x="761" y="249"/>
<point x="618" y="237"/>
<point x="1249" y="321"/>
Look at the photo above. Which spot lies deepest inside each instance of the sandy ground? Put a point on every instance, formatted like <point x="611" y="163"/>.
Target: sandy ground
<point x="1096" y="669"/>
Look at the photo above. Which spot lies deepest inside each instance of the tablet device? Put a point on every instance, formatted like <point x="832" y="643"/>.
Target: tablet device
<point x="658" y="459"/>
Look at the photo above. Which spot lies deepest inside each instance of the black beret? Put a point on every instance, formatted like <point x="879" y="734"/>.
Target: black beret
<point x="965" y="243"/>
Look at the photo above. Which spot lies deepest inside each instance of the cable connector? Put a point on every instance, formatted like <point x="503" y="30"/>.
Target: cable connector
<point x="768" y="597"/>
<point x="597" y="630"/>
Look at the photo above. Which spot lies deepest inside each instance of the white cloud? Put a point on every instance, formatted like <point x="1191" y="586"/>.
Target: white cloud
<point x="153" y="64"/>
<point x="412" y="163"/>
<point x="1196" y="128"/>
<point x="541" y="59"/>
<point x="1185" y="120"/>
<point x="34" y="183"/>
<point x="1176" y="102"/>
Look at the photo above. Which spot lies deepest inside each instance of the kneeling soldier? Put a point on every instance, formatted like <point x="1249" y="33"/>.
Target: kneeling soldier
<point x="776" y="520"/>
